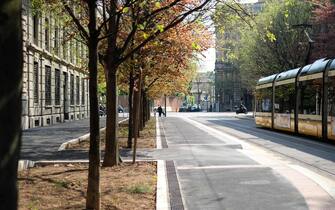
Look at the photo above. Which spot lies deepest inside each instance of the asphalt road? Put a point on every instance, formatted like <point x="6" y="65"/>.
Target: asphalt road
<point x="226" y="162"/>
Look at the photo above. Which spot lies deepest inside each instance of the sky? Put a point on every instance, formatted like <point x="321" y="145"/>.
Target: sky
<point x="207" y="60"/>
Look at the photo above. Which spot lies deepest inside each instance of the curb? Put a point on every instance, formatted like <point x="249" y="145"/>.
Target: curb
<point x="82" y="138"/>
<point x="25" y="164"/>
<point x="245" y="117"/>
<point x="162" y="191"/>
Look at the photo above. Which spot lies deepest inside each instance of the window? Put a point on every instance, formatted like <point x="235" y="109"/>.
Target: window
<point x="64" y="45"/>
<point x="46" y="34"/>
<point x="82" y="91"/>
<point x="311" y="94"/>
<point x="35" y="29"/>
<point x="77" y="52"/>
<point x="82" y="48"/>
<point x="78" y="90"/>
<point x="72" y="89"/>
<point x="285" y="98"/>
<point x="71" y="51"/>
<point x="264" y="100"/>
<point x="36" y="82"/>
<point x="56" y="44"/>
<point x="57" y="87"/>
<point x="331" y="96"/>
<point x="47" y="85"/>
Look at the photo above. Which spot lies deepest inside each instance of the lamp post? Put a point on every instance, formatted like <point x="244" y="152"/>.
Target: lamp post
<point x="219" y="102"/>
<point x="304" y="26"/>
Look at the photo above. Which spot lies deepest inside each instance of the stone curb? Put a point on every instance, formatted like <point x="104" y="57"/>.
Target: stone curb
<point x="162" y="191"/>
<point x="245" y="117"/>
<point x="82" y="138"/>
<point x="25" y="164"/>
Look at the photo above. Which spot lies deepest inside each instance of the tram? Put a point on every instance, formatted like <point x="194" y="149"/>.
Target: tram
<point x="300" y="100"/>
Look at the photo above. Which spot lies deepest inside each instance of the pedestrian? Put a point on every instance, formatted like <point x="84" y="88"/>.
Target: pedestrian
<point x="155" y="111"/>
<point x="160" y="111"/>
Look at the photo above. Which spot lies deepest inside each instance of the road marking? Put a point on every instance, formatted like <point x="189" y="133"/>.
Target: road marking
<point x="312" y="187"/>
<point x="162" y="197"/>
<point x="213" y="132"/>
<point x="158" y="136"/>
<point x="220" y="167"/>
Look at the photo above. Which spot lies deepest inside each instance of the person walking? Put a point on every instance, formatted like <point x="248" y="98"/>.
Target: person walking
<point x="160" y="111"/>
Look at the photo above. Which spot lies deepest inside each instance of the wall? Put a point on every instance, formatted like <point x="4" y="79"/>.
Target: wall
<point x="172" y="103"/>
<point x="41" y="52"/>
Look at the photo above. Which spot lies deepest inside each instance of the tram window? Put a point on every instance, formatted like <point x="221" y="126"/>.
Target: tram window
<point x="285" y="98"/>
<point x="264" y="103"/>
<point x="311" y="97"/>
<point x="331" y="97"/>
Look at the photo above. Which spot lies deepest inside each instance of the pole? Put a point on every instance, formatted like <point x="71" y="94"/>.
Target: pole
<point x="165" y="104"/>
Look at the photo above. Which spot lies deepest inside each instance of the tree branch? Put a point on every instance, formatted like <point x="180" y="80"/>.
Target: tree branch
<point x="172" y="24"/>
<point x="81" y="29"/>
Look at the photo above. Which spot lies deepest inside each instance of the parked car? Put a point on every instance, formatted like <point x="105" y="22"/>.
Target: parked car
<point x="183" y="109"/>
<point x="195" y="108"/>
<point x="120" y="109"/>
<point x="102" y="110"/>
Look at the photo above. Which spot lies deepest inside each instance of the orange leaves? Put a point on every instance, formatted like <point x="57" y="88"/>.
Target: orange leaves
<point x="170" y="56"/>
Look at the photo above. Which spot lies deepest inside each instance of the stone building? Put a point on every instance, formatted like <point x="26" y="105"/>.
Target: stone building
<point x="229" y="91"/>
<point x="203" y="90"/>
<point x="55" y="85"/>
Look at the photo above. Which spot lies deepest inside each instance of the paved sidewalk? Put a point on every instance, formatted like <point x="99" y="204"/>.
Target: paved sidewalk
<point x="207" y="170"/>
<point x="42" y="143"/>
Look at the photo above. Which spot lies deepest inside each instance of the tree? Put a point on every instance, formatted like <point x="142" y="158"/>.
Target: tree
<point x="11" y="56"/>
<point x="323" y="29"/>
<point x="268" y="42"/>
<point x="90" y="34"/>
<point x="166" y="57"/>
<point x="124" y="22"/>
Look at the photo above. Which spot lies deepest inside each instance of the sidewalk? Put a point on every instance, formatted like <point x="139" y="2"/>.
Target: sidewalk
<point x="207" y="169"/>
<point x="42" y="143"/>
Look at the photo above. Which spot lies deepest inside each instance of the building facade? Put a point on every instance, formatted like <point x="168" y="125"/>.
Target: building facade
<point x="55" y="84"/>
<point x="229" y="91"/>
<point x="203" y="90"/>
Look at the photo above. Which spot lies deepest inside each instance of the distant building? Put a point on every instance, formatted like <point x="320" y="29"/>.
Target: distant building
<point x="55" y="85"/>
<point x="228" y="89"/>
<point x="203" y="90"/>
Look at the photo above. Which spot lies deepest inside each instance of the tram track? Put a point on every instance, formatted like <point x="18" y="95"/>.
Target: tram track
<point x="278" y="138"/>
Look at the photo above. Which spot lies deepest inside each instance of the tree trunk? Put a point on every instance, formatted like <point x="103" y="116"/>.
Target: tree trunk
<point x="148" y="108"/>
<point x="144" y="108"/>
<point x="111" y="157"/>
<point x="93" y="187"/>
<point x="10" y="97"/>
<point x="147" y="111"/>
<point x="137" y="107"/>
<point x="131" y="113"/>
<point x="141" y="120"/>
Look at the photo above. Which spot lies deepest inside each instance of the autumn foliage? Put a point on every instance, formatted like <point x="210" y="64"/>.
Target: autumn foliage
<point x="324" y="29"/>
<point x="166" y="60"/>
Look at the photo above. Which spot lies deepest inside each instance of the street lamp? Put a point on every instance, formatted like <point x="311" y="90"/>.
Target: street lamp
<point x="304" y="26"/>
<point x="219" y="102"/>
